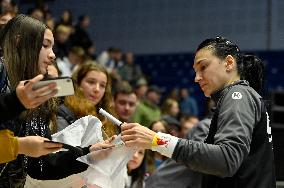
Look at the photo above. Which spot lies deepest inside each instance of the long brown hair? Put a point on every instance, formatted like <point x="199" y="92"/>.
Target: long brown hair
<point x="21" y="41"/>
<point x="81" y="106"/>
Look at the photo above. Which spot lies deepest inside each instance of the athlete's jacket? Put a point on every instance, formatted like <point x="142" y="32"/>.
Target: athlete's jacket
<point x="238" y="150"/>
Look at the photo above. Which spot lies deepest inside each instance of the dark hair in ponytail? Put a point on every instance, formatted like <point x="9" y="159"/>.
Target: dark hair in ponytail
<point x="250" y="67"/>
<point x="252" y="70"/>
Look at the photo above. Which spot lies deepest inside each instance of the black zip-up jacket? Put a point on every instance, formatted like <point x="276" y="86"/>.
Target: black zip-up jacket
<point x="10" y="106"/>
<point x="238" y="150"/>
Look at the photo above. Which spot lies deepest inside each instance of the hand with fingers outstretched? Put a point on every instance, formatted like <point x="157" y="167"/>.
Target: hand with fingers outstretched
<point x="101" y="150"/>
<point x="103" y="145"/>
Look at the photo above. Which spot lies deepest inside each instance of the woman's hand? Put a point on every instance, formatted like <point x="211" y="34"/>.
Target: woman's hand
<point x="31" y="98"/>
<point x="101" y="150"/>
<point x="136" y="135"/>
<point x="34" y="146"/>
<point x="103" y="145"/>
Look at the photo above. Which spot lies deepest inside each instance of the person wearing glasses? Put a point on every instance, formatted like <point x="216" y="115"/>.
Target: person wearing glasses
<point x="238" y="151"/>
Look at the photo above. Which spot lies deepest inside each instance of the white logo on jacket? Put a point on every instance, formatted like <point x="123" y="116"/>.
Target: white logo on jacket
<point x="237" y="95"/>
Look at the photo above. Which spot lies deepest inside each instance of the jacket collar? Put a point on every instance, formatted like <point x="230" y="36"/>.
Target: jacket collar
<point x="217" y="95"/>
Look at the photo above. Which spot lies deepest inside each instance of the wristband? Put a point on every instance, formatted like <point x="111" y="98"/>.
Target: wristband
<point x="164" y="144"/>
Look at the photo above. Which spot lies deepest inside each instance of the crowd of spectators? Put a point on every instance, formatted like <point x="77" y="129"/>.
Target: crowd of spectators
<point x="135" y="100"/>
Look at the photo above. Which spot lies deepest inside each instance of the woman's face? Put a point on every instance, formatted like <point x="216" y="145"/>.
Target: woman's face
<point x="65" y="16"/>
<point x="210" y="71"/>
<point x="5" y="18"/>
<point x="46" y="55"/>
<point x="136" y="160"/>
<point x="94" y="85"/>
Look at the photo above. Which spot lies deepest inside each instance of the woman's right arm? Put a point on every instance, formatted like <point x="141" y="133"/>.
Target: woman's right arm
<point x="33" y="146"/>
<point x="62" y="164"/>
<point x="56" y="165"/>
<point x="231" y="142"/>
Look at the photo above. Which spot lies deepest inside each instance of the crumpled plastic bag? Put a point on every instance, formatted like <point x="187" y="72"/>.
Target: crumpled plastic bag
<point x="107" y="172"/>
<point x="110" y="171"/>
<point x="83" y="132"/>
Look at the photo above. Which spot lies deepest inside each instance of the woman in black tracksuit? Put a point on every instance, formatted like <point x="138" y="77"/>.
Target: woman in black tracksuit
<point x="238" y="149"/>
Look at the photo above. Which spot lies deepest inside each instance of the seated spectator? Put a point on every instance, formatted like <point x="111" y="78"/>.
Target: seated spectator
<point x="148" y="110"/>
<point x="6" y="16"/>
<point x="125" y="102"/>
<point x="187" y="103"/>
<point x="66" y="19"/>
<point x="174" y="94"/>
<point x="159" y="126"/>
<point x="173" y="125"/>
<point x="129" y="71"/>
<point x="36" y="13"/>
<point x="111" y="60"/>
<point x="81" y="37"/>
<point x="170" y="107"/>
<point x="141" y="87"/>
<point x="68" y="64"/>
<point x="50" y="22"/>
<point x="187" y="123"/>
<point x="137" y="170"/>
<point x="8" y="5"/>
<point x="62" y="43"/>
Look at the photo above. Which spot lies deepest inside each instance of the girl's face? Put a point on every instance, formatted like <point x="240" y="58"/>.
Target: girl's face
<point x="136" y="160"/>
<point x="5" y="18"/>
<point x="159" y="127"/>
<point x="210" y="71"/>
<point x="46" y="55"/>
<point x="94" y="85"/>
<point x="65" y="16"/>
<point x="174" y="109"/>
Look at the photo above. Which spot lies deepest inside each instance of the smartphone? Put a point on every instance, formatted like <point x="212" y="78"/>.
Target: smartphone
<point x="65" y="86"/>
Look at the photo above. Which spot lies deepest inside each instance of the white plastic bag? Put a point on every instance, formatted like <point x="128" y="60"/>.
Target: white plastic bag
<point x="83" y="132"/>
<point x="109" y="172"/>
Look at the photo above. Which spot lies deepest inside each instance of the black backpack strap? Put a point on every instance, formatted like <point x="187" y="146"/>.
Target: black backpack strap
<point x="67" y="114"/>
